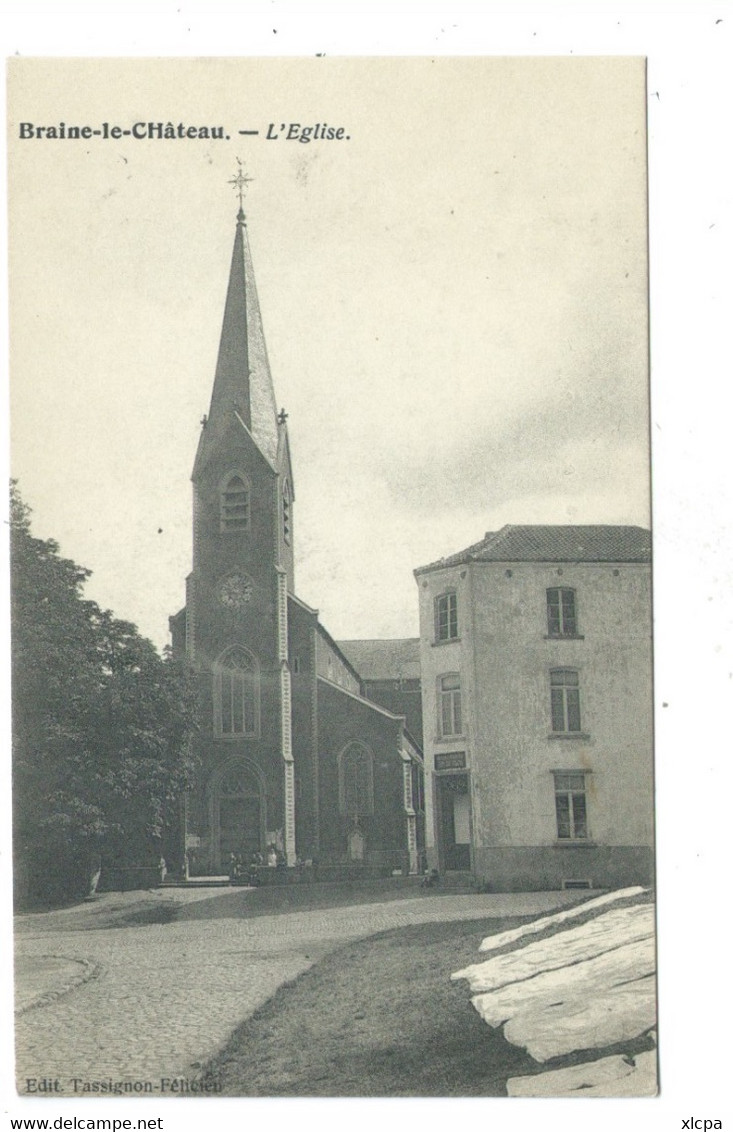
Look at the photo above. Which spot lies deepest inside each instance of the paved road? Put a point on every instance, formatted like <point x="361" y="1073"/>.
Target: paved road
<point x="158" y="1000"/>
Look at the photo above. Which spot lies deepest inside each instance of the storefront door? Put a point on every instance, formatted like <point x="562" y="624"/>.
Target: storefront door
<point x="455" y="821"/>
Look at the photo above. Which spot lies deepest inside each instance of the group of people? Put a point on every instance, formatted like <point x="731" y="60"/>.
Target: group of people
<point x="241" y="873"/>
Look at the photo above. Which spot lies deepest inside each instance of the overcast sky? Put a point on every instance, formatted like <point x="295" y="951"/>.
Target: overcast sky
<point x="454" y="302"/>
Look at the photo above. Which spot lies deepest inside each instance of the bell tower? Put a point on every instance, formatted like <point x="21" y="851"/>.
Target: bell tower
<point x="236" y="622"/>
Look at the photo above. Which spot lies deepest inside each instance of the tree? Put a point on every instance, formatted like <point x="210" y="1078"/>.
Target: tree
<point x="102" y="724"/>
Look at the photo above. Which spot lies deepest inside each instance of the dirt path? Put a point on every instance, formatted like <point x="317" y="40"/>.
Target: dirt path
<point x="161" y="999"/>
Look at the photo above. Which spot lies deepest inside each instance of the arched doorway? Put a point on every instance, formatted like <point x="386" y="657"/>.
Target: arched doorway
<point x="238" y="814"/>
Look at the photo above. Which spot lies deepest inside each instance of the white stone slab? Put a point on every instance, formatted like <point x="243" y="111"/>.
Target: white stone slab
<point x="608" y="1077"/>
<point x="618" y="1015"/>
<point x="613" y="929"/>
<point x="643" y="1082"/>
<point x="592" y="976"/>
<point x="577" y="1078"/>
<point x="493" y="942"/>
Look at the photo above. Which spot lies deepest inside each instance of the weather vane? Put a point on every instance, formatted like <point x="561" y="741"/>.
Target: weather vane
<point x="240" y="183"/>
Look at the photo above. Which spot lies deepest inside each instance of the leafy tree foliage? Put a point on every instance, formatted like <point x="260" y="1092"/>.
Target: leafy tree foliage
<point x="102" y="725"/>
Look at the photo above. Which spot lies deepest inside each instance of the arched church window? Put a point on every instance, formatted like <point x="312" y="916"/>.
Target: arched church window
<point x="286" y="512"/>
<point x="356" y="781"/>
<point x="236" y="694"/>
<point x="234" y="503"/>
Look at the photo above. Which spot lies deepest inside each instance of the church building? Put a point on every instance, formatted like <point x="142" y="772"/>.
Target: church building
<point x="293" y="755"/>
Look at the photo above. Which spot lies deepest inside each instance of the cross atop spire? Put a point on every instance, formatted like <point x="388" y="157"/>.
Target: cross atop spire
<point x="240" y="182"/>
<point x="243" y="390"/>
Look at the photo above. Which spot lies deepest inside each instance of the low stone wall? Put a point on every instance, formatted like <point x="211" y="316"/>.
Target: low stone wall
<point x="127" y="878"/>
<point x="315" y="874"/>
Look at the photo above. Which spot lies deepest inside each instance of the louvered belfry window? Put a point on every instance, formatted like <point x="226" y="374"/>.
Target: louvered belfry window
<point x="234" y="504"/>
<point x="286" y="513"/>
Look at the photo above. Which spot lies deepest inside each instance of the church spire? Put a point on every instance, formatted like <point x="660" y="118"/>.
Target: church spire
<point x="243" y="387"/>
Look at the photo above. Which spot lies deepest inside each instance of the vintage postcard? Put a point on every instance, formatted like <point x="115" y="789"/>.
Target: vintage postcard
<point x="331" y="578"/>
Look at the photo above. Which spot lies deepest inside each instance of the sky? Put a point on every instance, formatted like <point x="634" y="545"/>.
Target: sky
<point x="454" y="299"/>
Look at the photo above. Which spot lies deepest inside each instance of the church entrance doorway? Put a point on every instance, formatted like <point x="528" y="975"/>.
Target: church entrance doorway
<point x="454" y="808"/>
<point x="239" y="818"/>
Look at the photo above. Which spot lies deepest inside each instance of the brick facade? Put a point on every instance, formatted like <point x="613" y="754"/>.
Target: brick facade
<point x="287" y="741"/>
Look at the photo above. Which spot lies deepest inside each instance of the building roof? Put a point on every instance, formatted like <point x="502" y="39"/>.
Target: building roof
<point x="384" y="660"/>
<point x="336" y="646"/>
<point x="554" y="544"/>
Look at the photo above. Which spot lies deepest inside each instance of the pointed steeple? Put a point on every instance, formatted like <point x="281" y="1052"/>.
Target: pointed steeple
<point x="243" y="387"/>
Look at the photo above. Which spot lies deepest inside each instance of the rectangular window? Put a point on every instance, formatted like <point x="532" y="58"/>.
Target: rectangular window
<point x="449" y="697"/>
<point x="446" y="617"/>
<point x="570" y="806"/>
<point x="561" y="616"/>
<point x="565" y="700"/>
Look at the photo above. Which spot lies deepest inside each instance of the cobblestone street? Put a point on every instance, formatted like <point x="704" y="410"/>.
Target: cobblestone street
<point x="157" y="1000"/>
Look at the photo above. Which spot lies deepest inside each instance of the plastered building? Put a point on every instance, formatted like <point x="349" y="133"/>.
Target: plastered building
<point x="537" y="707"/>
